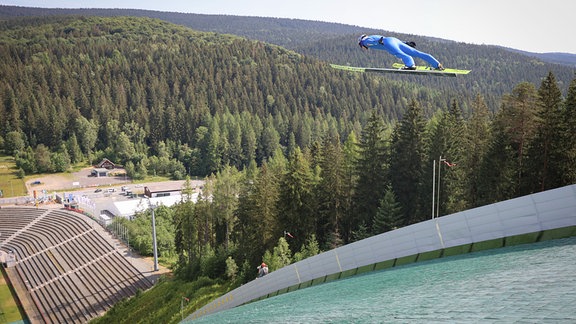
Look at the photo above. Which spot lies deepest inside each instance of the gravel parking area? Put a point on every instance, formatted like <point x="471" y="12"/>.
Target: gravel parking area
<point x="73" y="181"/>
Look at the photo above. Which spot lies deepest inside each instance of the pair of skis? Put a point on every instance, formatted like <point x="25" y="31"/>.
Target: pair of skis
<point x="397" y="68"/>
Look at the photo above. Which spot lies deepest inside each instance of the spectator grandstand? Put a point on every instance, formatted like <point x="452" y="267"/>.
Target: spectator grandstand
<point x="67" y="267"/>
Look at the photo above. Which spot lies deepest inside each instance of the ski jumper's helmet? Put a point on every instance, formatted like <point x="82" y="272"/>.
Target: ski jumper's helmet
<point x="360" y="40"/>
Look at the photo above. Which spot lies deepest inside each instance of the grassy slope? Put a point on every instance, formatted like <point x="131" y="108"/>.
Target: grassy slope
<point x="10" y="185"/>
<point x="9" y="311"/>
<point x="161" y="304"/>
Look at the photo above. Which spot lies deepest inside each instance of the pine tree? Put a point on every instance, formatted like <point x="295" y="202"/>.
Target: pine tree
<point x="568" y="158"/>
<point x="476" y="140"/>
<point x="74" y="149"/>
<point x="360" y="232"/>
<point x="11" y="112"/>
<point x="186" y="228"/>
<point x="280" y="256"/>
<point x="235" y="142"/>
<point x="447" y="142"/>
<point x="330" y="190"/>
<point x="296" y="197"/>
<point x="406" y="162"/>
<point x="498" y="175"/>
<point x="311" y="248"/>
<point x="513" y="127"/>
<point x="257" y="224"/>
<point x="544" y="163"/>
<point x="225" y="200"/>
<point x="212" y="152"/>
<point x="351" y="155"/>
<point x="389" y="215"/>
<point x="269" y="141"/>
<point x="371" y="168"/>
<point x="516" y="123"/>
<point x="89" y="131"/>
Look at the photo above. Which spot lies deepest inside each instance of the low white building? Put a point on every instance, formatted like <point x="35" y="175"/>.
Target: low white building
<point x="129" y="208"/>
<point x="126" y="203"/>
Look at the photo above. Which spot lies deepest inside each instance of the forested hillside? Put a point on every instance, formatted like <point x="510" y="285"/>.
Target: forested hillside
<point x="126" y="88"/>
<point x="496" y="70"/>
<point x="287" y="143"/>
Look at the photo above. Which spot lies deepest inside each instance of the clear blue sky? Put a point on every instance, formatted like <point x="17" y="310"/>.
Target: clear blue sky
<point x="531" y="25"/>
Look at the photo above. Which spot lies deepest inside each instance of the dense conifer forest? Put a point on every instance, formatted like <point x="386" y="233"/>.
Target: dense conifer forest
<point x="496" y="69"/>
<point x="286" y="143"/>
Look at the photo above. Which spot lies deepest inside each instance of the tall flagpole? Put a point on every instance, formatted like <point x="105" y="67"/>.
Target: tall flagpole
<point x="433" y="186"/>
<point x="440" y="160"/>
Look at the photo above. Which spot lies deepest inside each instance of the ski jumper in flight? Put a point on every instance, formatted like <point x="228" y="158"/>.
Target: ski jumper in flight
<point x="398" y="48"/>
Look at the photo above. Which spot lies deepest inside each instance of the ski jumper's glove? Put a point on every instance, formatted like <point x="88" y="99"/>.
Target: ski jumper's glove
<point x="411" y="44"/>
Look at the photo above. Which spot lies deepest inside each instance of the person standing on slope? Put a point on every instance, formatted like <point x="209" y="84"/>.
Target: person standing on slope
<point x="262" y="270"/>
<point x="400" y="49"/>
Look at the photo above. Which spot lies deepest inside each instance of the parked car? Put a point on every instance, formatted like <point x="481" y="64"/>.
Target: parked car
<point x="98" y="190"/>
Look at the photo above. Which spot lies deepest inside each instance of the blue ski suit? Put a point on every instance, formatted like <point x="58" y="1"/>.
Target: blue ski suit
<point x="397" y="48"/>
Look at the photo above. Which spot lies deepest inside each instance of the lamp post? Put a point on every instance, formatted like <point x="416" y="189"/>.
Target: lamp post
<point x="440" y="160"/>
<point x="436" y="193"/>
<point x="154" y="246"/>
<point x="433" y="186"/>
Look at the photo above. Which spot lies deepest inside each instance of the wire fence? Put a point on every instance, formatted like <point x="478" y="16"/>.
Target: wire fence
<point x="16" y="201"/>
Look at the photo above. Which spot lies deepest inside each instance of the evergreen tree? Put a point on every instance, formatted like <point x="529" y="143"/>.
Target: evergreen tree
<point x="330" y="191"/>
<point x="544" y="162"/>
<point x="225" y="200"/>
<point x="389" y="215"/>
<point x="257" y="224"/>
<point x="89" y="131"/>
<point x="498" y="174"/>
<point x="476" y="140"/>
<point x="351" y="155"/>
<point x="235" y="155"/>
<point x="74" y="149"/>
<point x="371" y="168"/>
<point x="406" y="163"/>
<point x="205" y="214"/>
<point x="213" y="152"/>
<point x="361" y="232"/>
<point x="516" y="123"/>
<point x="311" y="248"/>
<point x="11" y="112"/>
<point x="513" y="126"/>
<point x="568" y="158"/>
<point x="296" y="196"/>
<point x="280" y="257"/>
<point x="186" y="229"/>
<point x="248" y="144"/>
<point x="269" y="142"/>
<point x="447" y="141"/>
